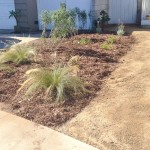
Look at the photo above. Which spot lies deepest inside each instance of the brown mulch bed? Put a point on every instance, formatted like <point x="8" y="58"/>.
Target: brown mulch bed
<point x="95" y="65"/>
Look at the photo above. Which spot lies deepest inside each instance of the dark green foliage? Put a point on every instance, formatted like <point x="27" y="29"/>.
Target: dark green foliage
<point x="102" y="21"/>
<point x="82" y="17"/>
<point x="15" y="14"/>
<point x="104" y="17"/>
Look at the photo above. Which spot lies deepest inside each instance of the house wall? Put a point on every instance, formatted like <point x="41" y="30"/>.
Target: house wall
<point x="6" y="24"/>
<point x="29" y="17"/>
<point x="28" y="20"/>
<point x="99" y="5"/>
<point x="139" y="11"/>
<point x="51" y="5"/>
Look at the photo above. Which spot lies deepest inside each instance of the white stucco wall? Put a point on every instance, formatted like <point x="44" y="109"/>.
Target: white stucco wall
<point x="145" y="12"/>
<point x="5" y="7"/>
<point x="99" y="5"/>
<point x="124" y="13"/>
<point x="54" y="5"/>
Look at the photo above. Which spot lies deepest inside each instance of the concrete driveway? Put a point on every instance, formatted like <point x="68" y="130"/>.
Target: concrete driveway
<point x="19" y="134"/>
<point x="25" y="38"/>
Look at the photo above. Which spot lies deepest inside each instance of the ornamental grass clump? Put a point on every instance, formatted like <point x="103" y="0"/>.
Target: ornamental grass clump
<point x="106" y="46"/>
<point x="57" y="83"/>
<point x="18" y="54"/>
<point x="74" y="60"/>
<point x="112" y="39"/>
<point x="85" y="41"/>
<point x="6" y="68"/>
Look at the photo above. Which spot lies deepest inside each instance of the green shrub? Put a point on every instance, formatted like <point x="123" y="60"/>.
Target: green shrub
<point x="112" y="39"/>
<point x="102" y="20"/>
<point x="120" y="30"/>
<point x="15" y="14"/>
<point x="63" y="21"/>
<point x="46" y="19"/>
<point x="85" y="41"/>
<point x="106" y="46"/>
<point x="56" y="83"/>
<point x="18" y="55"/>
<point x="82" y="17"/>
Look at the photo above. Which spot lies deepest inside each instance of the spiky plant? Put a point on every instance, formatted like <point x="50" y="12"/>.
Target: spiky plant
<point x="56" y="82"/>
<point x="112" y="39"/>
<point x="106" y="46"/>
<point x="4" y="67"/>
<point x="18" y="54"/>
<point x="74" y="60"/>
<point x="85" y="41"/>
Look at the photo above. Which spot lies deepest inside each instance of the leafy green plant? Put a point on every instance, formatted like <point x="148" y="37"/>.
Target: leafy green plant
<point x="85" y="41"/>
<point x="63" y="21"/>
<point x="46" y="19"/>
<point x="120" y="30"/>
<point x="112" y="39"/>
<point x="18" y="54"/>
<point x="82" y="17"/>
<point x="56" y="83"/>
<point x="104" y="18"/>
<point x="16" y="14"/>
<point x="106" y="46"/>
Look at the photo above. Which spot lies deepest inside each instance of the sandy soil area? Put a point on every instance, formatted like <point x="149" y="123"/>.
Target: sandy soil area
<point x="119" y="117"/>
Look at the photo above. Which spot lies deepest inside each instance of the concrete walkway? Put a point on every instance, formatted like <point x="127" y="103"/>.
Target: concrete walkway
<point x="19" y="134"/>
<point x="25" y="38"/>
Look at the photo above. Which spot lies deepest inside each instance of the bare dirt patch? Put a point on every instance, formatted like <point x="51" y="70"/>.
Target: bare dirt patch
<point x="119" y="117"/>
<point x="95" y="65"/>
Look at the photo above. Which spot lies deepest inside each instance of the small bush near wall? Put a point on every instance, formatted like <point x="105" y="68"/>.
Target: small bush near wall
<point x="82" y="17"/>
<point x="62" y="20"/>
<point x="120" y="30"/>
<point x="46" y="20"/>
<point x="101" y="21"/>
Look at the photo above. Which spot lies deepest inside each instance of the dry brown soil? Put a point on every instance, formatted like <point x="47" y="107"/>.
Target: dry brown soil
<point x="95" y="64"/>
<point x="119" y="117"/>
